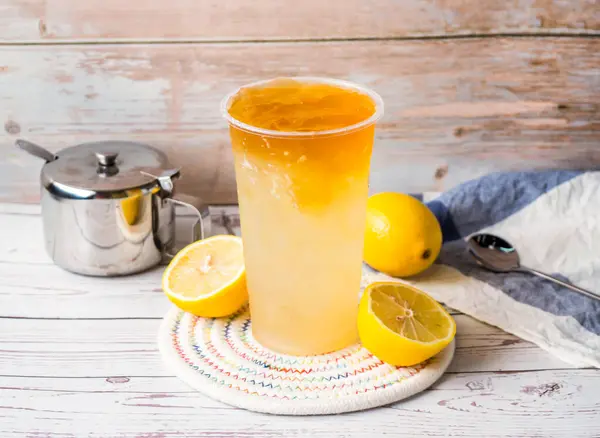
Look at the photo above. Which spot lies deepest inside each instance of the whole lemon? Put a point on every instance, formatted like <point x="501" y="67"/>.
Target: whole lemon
<point x="403" y="236"/>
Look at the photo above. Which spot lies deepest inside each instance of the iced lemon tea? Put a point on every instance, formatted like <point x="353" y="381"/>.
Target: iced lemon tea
<point x="302" y="150"/>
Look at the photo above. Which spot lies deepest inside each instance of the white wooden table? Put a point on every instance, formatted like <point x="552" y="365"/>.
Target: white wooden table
<point x="78" y="358"/>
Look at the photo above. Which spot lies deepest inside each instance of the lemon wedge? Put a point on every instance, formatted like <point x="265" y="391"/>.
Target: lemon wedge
<point x="402" y="325"/>
<point x="207" y="278"/>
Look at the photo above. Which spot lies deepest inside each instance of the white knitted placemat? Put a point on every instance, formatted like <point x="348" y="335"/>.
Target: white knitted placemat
<point x="221" y="359"/>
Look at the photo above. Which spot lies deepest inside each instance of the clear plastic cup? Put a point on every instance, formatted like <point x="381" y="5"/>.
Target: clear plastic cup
<point x="302" y="198"/>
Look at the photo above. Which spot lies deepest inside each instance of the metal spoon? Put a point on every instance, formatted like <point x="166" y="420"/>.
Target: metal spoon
<point x="36" y="150"/>
<point x="497" y="255"/>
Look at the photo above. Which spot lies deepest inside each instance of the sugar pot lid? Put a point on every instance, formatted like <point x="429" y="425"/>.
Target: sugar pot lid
<point x="106" y="169"/>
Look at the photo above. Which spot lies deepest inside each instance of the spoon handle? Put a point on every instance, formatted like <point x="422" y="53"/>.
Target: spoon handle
<point x="36" y="150"/>
<point x="585" y="292"/>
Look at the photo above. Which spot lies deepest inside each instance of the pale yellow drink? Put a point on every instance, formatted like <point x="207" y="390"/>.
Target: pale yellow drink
<point x="302" y="149"/>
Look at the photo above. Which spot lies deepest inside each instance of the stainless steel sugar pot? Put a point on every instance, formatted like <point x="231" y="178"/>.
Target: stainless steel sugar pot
<point x="108" y="207"/>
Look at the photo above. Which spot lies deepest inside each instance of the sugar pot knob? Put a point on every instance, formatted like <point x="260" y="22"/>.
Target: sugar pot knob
<point x="107" y="159"/>
<point x="107" y="163"/>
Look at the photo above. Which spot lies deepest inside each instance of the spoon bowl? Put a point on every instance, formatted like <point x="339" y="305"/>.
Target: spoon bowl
<point x="493" y="252"/>
<point x="497" y="255"/>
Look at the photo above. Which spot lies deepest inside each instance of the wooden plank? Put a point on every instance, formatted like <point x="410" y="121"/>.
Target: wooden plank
<point x="54" y="293"/>
<point x="541" y="404"/>
<point x="455" y="109"/>
<point x="97" y="348"/>
<point x="22" y="236"/>
<point x="205" y="20"/>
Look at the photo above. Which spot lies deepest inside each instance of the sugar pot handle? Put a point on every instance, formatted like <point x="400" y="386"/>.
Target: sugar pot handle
<point x="198" y="227"/>
<point x="165" y="181"/>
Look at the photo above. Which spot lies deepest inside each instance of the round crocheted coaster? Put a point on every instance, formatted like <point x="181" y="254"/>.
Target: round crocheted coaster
<point x="221" y="359"/>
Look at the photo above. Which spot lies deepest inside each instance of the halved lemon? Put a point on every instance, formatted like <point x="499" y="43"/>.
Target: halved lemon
<point x="402" y="325"/>
<point x="207" y="278"/>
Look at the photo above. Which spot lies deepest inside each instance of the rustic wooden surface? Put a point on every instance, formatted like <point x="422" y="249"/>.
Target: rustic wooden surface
<point x="78" y="359"/>
<point x="202" y="20"/>
<point x="455" y="109"/>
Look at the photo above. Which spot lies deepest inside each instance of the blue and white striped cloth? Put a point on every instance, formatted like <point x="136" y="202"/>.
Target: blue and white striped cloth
<point x="553" y="219"/>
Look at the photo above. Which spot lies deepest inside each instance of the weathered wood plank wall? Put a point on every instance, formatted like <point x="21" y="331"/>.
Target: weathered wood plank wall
<point x="206" y="20"/>
<point x="468" y="90"/>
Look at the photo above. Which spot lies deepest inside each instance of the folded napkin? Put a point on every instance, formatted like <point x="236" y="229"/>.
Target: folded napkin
<point x="553" y="219"/>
